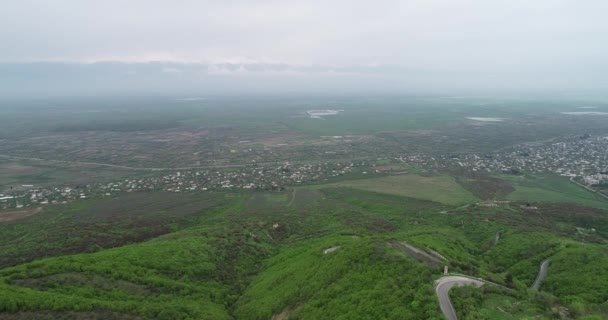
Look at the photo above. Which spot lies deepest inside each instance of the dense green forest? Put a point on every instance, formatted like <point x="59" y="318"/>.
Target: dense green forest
<point x="330" y="253"/>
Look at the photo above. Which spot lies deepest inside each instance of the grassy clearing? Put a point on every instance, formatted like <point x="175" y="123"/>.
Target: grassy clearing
<point x="556" y="189"/>
<point x="265" y="201"/>
<point x="442" y="189"/>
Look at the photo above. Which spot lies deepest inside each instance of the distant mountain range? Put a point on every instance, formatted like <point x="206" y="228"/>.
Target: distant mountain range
<point x="101" y="78"/>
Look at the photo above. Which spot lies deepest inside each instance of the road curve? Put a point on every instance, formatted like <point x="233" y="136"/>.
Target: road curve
<point x="442" y="288"/>
<point x="542" y="274"/>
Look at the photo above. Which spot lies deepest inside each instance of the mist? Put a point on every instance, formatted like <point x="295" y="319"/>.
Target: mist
<point x="69" y="47"/>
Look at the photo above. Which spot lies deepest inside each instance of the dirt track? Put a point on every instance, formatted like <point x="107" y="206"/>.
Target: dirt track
<point x="6" y="216"/>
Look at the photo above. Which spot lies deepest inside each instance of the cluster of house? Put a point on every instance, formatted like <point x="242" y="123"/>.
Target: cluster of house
<point x="258" y="178"/>
<point x="30" y="195"/>
<point x="595" y="179"/>
<point x="574" y="157"/>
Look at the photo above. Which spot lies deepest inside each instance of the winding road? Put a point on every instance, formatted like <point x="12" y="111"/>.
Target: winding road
<point x="443" y="287"/>
<point x="542" y="274"/>
<point x="444" y="284"/>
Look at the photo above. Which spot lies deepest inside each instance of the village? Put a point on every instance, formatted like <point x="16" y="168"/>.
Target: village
<point x="250" y="178"/>
<point x="582" y="158"/>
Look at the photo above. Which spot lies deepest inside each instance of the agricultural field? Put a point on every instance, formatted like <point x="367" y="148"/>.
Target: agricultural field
<point x="223" y="130"/>
<point x="543" y="188"/>
<point x="442" y="189"/>
<point x="17" y="172"/>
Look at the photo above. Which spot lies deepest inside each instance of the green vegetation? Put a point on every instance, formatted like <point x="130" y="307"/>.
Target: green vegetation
<point x="442" y="189"/>
<point x="93" y="225"/>
<point x="334" y="243"/>
<point x="165" y="132"/>
<point x="548" y="188"/>
<point x="565" y="278"/>
<point x="489" y="303"/>
<point x="258" y="255"/>
<point x="17" y="172"/>
<point x="350" y="283"/>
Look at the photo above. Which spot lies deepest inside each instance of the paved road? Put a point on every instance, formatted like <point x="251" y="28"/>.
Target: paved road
<point x="588" y="188"/>
<point x="443" y="288"/>
<point x="542" y="274"/>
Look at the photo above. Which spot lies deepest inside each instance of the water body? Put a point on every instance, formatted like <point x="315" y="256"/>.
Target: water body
<point x="486" y="119"/>
<point x="319" y="113"/>
<point x="586" y="113"/>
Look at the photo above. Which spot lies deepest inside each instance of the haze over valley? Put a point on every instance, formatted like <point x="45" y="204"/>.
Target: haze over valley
<point x="303" y="160"/>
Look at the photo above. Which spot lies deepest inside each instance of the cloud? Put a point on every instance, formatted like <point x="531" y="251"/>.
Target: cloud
<point x="467" y="33"/>
<point x="502" y="41"/>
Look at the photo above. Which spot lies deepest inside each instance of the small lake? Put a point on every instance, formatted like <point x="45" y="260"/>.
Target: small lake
<point x="486" y="119"/>
<point x="586" y="113"/>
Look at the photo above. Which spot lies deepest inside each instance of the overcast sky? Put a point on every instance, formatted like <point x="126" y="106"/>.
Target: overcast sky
<point x="556" y="37"/>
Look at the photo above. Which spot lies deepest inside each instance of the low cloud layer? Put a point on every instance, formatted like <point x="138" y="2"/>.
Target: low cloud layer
<point x="454" y="43"/>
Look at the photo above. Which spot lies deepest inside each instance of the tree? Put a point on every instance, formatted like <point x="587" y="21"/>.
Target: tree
<point x="509" y="280"/>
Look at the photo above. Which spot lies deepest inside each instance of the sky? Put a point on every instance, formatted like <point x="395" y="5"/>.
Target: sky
<point x="384" y="44"/>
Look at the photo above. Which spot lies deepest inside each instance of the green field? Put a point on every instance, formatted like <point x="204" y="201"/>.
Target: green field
<point x="17" y="172"/>
<point x="556" y="189"/>
<point x="442" y="189"/>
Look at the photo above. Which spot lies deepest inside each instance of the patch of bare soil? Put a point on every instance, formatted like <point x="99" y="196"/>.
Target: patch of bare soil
<point x="6" y="216"/>
<point x="285" y="314"/>
<point x="416" y="253"/>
